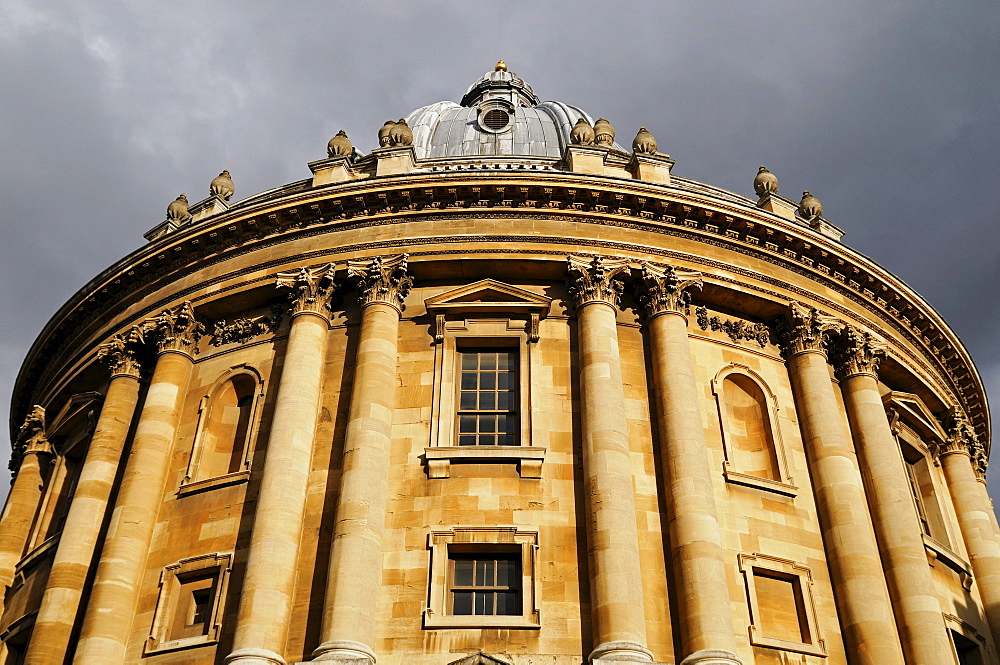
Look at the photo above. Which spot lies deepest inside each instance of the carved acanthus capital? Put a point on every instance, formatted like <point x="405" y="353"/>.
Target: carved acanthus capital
<point x="962" y="439"/>
<point x="856" y="352"/>
<point x="314" y="290"/>
<point x="594" y="278"/>
<point x="31" y="439"/>
<point x="803" y="329"/>
<point x="176" y="329"/>
<point x="667" y="290"/>
<point x="382" y="279"/>
<point x="124" y="352"/>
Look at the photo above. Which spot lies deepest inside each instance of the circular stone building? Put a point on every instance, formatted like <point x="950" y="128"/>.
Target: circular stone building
<point x="501" y="391"/>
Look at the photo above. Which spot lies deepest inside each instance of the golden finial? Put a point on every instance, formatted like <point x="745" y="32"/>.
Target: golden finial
<point x="501" y="66"/>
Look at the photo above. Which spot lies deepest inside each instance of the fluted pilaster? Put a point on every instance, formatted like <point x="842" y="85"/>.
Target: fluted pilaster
<point x="50" y="638"/>
<point x="619" y="618"/>
<point x="30" y="461"/>
<point x="355" y="572"/>
<point x="858" y="581"/>
<point x="695" y="536"/>
<point x="963" y="459"/>
<point x="269" y="584"/>
<point x="856" y="355"/>
<point x="108" y="620"/>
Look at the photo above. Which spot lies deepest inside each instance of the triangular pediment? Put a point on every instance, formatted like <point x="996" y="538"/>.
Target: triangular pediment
<point x="915" y="413"/>
<point x="479" y="659"/>
<point x="489" y="295"/>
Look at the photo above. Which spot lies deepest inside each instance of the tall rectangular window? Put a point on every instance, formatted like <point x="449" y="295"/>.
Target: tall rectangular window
<point x="487" y="401"/>
<point x="918" y="499"/>
<point x="486" y="584"/>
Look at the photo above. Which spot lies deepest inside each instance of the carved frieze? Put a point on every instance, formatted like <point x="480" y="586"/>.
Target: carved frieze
<point x="242" y="330"/>
<point x="805" y="329"/>
<point x="595" y="278"/>
<point x="737" y="330"/>
<point x="665" y="289"/>
<point x="31" y="438"/>
<point x="177" y="329"/>
<point x="381" y="279"/>
<point x="312" y="289"/>
<point x="124" y="352"/>
<point x="855" y="351"/>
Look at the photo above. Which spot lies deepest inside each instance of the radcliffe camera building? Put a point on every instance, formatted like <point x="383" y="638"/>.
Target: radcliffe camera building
<point x="504" y="390"/>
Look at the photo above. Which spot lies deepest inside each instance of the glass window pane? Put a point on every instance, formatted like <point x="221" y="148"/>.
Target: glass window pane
<point x="506" y="440"/>
<point x="503" y="401"/>
<point x="466" y="424"/>
<point x="503" y="380"/>
<point x="467" y="440"/>
<point x="469" y="360"/>
<point x="487" y="401"/>
<point x="487" y="381"/>
<point x="487" y="361"/>
<point x="463" y="572"/>
<point x="463" y="602"/>
<point x="468" y="401"/>
<point x="484" y="603"/>
<point x="505" y="571"/>
<point x="487" y="424"/>
<point x="484" y="573"/>
<point x="468" y="380"/>
<point x="487" y="439"/>
<point x="507" y="603"/>
<point x="503" y="360"/>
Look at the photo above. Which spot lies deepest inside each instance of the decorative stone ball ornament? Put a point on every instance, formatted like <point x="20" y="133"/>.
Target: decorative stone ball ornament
<point x="222" y="186"/>
<point x="644" y="143"/>
<point x="809" y="207"/>
<point x="765" y="183"/>
<point x="604" y="133"/>
<point x="340" y="145"/>
<point x="400" y="134"/>
<point x="583" y="133"/>
<point x="177" y="211"/>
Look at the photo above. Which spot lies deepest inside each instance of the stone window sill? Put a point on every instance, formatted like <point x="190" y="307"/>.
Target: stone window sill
<point x="197" y="486"/>
<point x="153" y="647"/>
<point x="766" y="484"/>
<point x="37" y="554"/>
<point x="432" y="620"/>
<point x="939" y="552"/>
<point x="439" y="459"/>
<point x="757" y="639"/>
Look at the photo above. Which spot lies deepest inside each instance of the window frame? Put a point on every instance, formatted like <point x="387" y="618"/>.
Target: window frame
<point x="191" y="483"/>
<point x="484" y="314"/>
<point x="802" y="577"/>
<point x="444" y="545"/>
<point x="514" y="411"/>
<point x="167" y="602"/>
<point x="785" y="484"/>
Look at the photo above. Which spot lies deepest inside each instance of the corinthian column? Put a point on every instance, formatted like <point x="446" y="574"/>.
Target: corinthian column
<point x="29" y="462"/>
<point x="963" y="459"/>
<point x="619" y="618"/>
<point x="54" y="624"/>
<point x="695" y="538"/>
<point x="355" y="572"/>
<point x="890" y="500"/>
<point x="269" y="584"/>
<point x="858" y="582"/>
<point x="107" y="623"/>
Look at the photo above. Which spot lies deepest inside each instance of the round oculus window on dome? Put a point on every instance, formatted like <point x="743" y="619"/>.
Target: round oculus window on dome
<point x="495" y="120"/>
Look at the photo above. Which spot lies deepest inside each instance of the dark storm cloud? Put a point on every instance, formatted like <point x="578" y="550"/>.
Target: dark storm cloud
<point x="886" y="111"/>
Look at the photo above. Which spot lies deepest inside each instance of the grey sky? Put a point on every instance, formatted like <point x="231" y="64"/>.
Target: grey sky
<point x="888" y="112"/>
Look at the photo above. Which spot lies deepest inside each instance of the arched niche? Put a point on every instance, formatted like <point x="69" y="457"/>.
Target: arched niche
<point x="751" y="438"/>
<point x="227" y="427"/>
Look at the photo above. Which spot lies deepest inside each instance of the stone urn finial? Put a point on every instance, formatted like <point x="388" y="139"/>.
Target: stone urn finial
<point x="582" y="133"/>
<point x="765" y="183"/>
<point x="809" y="207"/>
<point x="604" y="133"/>
<point x="177" y="211"/>
<point x="339" y="145"/>
<point x="400" y="133"/>
<point x="222" y="186"/>
<point x="383" y="133"/>
<point x="644" y="143"/>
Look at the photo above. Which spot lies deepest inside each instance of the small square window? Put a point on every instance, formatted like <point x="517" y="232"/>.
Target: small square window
<point x="482" y="577"/>
<point x="782" y="615"/>
<point x="189" y="606"/>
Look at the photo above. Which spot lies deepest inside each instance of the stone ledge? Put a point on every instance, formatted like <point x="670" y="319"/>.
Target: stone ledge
<point x="438" y="459"/>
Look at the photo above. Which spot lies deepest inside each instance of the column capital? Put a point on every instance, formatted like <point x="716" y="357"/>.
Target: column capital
<point x="856" y="352"/>
<point x="123" y="352"/>
<point x="382" y="279"/>
<point x="31" y="439"/>
<point x="962" y="439"/>
<point x="803" y="329"/>
<point x="594" y="278"/>
<point x="314" y="290"/>
<point x="664" y="289"/>
<point x="176" y="329"/>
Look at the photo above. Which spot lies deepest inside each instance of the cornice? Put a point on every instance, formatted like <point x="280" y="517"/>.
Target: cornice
<point x="691" y="210"/>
